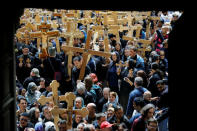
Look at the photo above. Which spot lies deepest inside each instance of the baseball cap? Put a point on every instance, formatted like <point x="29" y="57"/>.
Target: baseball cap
<point x="105" y="124"/>
<point x="35" y="71"/>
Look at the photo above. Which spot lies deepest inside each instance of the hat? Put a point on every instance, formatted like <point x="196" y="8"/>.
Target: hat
<point x="32" y="86"/>
<point x="106" y="124"/>
<point x="35" y="71"/>
<point x="154" y="66"/>
<point x="160" y="82"/>
<point x="25" y="46"/>
<point x="94" y="77"/>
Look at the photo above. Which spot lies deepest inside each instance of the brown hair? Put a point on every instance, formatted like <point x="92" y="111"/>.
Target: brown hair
<point x="113" y="94"/>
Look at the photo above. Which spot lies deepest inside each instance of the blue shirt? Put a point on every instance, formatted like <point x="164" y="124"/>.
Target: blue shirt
<point x="137" y="92"/>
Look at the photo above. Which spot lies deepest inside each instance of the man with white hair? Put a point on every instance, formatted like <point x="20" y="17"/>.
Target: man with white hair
<point x="137" y="92"/>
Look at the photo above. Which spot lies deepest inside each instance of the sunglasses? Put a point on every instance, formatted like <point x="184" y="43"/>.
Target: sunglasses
<point x="22" y="119"/>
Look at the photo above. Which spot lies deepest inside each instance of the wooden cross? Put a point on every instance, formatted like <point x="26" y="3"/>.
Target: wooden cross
<point x="85" y="52"/>
<point x="120" y="65"/>
<point x="69" y="97"/>
<point x="70" y="34"/>
<point x="145" y="47"/>
<point x="21" y="60"/>
<point x="28" y="61"/>
<point x="149" y="18"/>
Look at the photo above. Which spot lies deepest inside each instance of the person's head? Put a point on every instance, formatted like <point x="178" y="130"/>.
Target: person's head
<point x="154" y="66"/>
<point x="131" y="64"/>
<point x="42" y="81"/>
<point x="119" y="112"/>
<point x="100" y="117"/>
<point x="160" y="23"/>
<point x="77" y="62"/>
<point x="141" y="73"/>
<point x="47" y="113"/>
<point x="147" y="95"/>
<point x="80" y="126"/>
<point x="138" y="103"/>
<point x="23" y="120"/>
<point x="148" y="111"/>
<point x="138" y="81"/>
<point x="155" y="58"/>
<point x="62" y="125"/>
<point x="63" y="115"/>
<point x="152" y="124"/>
<point x="49" y="126"/>
<point x="127" y="52"/>
<point x="23" y="91"/>
<point x="112" y="96"/>
<point x="47" y="85"/>
<point x="34" y="114"/>
<point x="133" y="51"/>
<point x="160" y="85"/>
<point x="91" y="108"/>
<point x="89" y="127"/>
<point x="106" y="91"/>
<point x="115" y="56"/>
<point x="81" y="88"/>
<point x="118" y="46"/>
<point x="22" y="103"/>
<point x="162" y="54"/>
<point x="122" y="127"/>
<point x="78" y="102"/>
<point x="110" y="112"/>
<point x="88" y="82"/>
<point x="25" y="50"/>
<point x="94" y="77"/>
<point x="32" y="87"/>
<point x="35" y="72"/>
<point x="78" y="118"/>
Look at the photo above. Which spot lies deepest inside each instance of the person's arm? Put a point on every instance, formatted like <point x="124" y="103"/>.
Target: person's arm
<point x="129" y="110"/>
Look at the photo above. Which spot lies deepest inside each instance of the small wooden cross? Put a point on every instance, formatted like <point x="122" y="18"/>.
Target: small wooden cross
<point x="28" y="61"/>
<point x="21" y="60"/>
<point x="120" y="65"/>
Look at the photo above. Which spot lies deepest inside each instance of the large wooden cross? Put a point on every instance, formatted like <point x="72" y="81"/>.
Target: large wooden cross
<point x="85" y="52"/>
<point x="68" y="97"/>
<point x="70" y="34"/>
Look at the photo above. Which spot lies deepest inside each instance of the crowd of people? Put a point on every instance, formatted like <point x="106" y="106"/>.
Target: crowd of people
<point x="113" y="103"/>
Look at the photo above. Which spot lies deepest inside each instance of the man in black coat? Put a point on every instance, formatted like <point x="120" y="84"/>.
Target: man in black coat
<point x="76" y="70"/>
<point x="156" y="75"/>
<point x="119" y="117"/>
<point x="24" y="64"/>
<point x="52" y="65"/>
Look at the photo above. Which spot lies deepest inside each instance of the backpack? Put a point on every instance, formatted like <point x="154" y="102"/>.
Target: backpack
<point x="97" y="89"/>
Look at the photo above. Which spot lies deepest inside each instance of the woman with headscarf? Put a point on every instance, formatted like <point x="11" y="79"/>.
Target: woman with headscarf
<point x="125" y="87"/>
<point x="34" y="115"/>
<point x="112" y="76"/>
<point x="78" y="103"/>
<point x="112" y="101"/>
